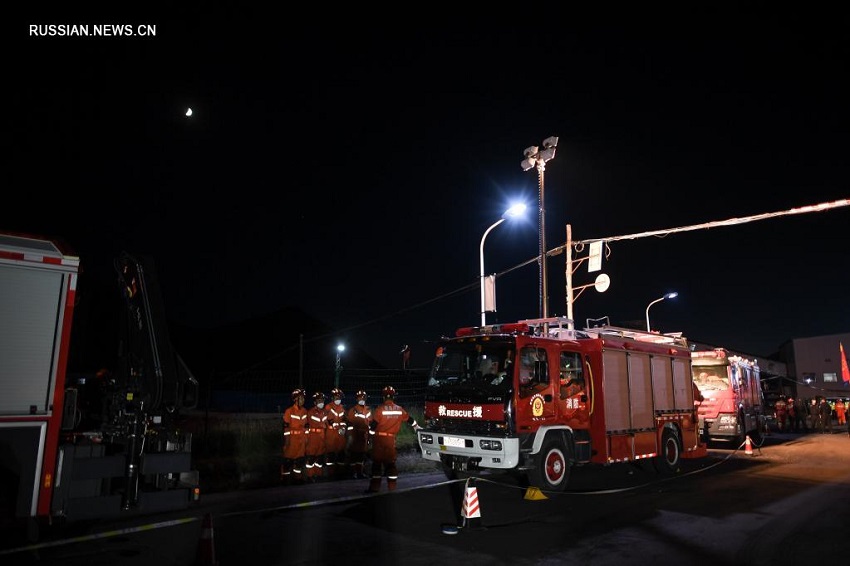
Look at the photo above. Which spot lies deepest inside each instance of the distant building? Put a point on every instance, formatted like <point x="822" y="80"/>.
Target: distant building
<point x="814" y="364"/>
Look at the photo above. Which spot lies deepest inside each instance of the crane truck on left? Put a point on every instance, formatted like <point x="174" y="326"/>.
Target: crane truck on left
<point x="59" y="460"/>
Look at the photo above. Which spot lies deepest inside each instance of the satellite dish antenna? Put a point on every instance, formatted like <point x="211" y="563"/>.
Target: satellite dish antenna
<point x="602" y="283"/>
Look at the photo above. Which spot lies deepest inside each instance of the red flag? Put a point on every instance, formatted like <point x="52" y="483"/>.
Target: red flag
<point x="845" y="371"/>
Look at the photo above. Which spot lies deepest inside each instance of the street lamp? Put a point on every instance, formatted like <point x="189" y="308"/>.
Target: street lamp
<point x="667" y="296"/>
<point x="340" y="348"/>
<point x="512" y="212"/>
<point x="538" y="159"/>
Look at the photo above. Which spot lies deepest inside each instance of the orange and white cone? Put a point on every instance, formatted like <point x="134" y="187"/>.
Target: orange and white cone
<point x="748" y="446"/>
<point x="206" y="544"/>
<point x="471" y="508"/>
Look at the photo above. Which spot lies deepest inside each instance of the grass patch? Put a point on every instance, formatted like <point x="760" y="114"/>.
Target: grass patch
<point x="239" y="451"/>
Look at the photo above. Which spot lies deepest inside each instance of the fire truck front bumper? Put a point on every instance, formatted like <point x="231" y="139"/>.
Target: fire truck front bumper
<point x="723" y="427"/>
<point x="478" y="451"/>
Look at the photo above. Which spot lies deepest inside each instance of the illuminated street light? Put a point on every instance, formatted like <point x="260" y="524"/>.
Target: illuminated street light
<point x="512" y="212"/>
<point x="340" y="348"/>
<point x="538" y="159"/>
<point x="667" y="296"/>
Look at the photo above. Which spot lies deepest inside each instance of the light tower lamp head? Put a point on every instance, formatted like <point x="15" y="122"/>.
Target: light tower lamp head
<point x="531" y="158"/>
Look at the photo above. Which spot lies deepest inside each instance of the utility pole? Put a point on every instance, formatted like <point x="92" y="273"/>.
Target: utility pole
<point x="568" y="248"/>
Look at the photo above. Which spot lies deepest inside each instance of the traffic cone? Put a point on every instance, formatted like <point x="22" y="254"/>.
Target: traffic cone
<point x="471" y="509"/>
<point x="534" y="494"/>
<point x="748" y="446"/>
<point x="206" y="544"/>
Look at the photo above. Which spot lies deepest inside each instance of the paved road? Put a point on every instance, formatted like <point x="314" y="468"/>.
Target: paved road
<point x="787" y="503"/>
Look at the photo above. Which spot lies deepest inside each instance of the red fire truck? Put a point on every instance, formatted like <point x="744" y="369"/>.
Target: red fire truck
<point x="732" y="405"/>
<point x="536" y="397"/>
<point x="59" y="457"/>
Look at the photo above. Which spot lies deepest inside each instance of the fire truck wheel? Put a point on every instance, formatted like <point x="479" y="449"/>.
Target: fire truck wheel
<point x="667" y="461"/>
<point x="551" y="471"/>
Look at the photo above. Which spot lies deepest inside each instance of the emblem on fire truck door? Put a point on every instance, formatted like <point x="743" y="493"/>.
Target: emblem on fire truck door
<point x="537" y="405"/>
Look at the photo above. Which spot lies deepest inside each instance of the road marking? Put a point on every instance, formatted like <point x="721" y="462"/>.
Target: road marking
<point x="107" y="534"/>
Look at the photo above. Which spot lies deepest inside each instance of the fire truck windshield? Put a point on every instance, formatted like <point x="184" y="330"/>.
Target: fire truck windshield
<point x="476" y="364"/>
<point x="711" y="378"/>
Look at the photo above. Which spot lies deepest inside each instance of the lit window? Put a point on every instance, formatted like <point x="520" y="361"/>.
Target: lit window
<point x="830" y="377"/>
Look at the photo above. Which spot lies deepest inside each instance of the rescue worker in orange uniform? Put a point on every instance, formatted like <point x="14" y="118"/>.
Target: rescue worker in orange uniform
<point x="781" y="407"/>
<point x="295" y="423"/>
<point x="386" y="424"/>
<point x="318" y="419"/>
<point x="335" y="435"/>
<point x="357" y="419"/>
<point x="791" y="409"/>
<point x="841" y="412"/>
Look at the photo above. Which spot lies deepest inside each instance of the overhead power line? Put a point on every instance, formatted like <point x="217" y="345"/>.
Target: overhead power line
<point x="704" y="226"/>
<point x="718" y="223"/>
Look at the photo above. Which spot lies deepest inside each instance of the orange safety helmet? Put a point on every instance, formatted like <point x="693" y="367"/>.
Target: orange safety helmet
<point x="360" y="394"/>
<point x="337" y="392"/>
<point x="318" y="397"/>
<point x="298" y="393"/>
<point x="389" y="391"/>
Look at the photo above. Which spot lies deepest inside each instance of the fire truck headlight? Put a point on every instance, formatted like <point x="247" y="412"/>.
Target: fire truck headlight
<point x="426" y="438"/>
<point x="488" y="444"/>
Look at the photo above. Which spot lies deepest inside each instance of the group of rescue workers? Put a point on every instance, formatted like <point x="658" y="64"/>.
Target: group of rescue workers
<point x="816" y="415"/>
<point x="328" y="441"/>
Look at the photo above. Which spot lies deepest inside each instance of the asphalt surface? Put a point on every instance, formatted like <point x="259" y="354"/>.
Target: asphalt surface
<point x="786" y="503"/>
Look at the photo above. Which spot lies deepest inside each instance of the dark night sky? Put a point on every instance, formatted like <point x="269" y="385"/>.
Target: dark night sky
<point x="350" y="170"/>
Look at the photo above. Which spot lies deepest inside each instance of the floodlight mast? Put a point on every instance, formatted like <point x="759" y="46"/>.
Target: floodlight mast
<point x="340" y="348"/>
<point x="534" y="158"/>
